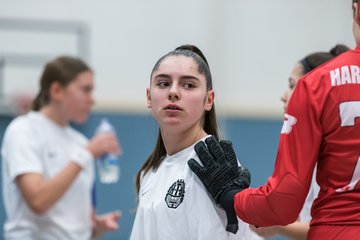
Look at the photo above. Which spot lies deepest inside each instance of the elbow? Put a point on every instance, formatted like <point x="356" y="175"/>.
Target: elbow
<point x="287" y="203"/>
<point x="276" y="214"/>
<point x="38" y="211"/>
<point x="38" y="207"/>
<point x="275" y="211"/>
<point x="288" y="217"/>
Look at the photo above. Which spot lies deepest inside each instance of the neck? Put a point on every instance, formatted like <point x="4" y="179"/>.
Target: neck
<point x="356" y="32"/>
<point x="53" y="114"/>
<point x="175" y="142"/>
<point x="356" y="24"/>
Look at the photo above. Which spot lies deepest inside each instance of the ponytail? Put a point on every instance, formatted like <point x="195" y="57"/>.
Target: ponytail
<point x="37" y="103"/>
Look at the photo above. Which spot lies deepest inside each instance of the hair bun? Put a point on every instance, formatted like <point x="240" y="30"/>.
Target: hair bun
<point x="338" y="49"/>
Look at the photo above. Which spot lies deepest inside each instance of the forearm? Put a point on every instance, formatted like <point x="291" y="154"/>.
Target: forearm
<point x="276" y="203"/>
<point x="41" y="194"/>
<point x="55" y="188"/>
<point x="294" y="231"/>
<point x="96" y="231"/>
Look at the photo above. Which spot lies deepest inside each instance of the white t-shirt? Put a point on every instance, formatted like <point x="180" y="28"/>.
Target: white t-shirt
<point x="174" y="204"/>
<point x="34" y="144"/>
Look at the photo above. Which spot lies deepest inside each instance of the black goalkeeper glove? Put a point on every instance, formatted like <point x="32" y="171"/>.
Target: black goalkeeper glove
<point x="221" y="175"/>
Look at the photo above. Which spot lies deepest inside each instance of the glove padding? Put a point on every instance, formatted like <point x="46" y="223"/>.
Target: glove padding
<point x="221" y="175"/>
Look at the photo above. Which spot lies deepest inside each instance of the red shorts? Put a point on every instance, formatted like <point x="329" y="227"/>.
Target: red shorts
<point x="334" y="232"/>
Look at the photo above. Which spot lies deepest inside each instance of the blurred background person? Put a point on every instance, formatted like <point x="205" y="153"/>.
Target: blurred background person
<point x="48" y="167"/>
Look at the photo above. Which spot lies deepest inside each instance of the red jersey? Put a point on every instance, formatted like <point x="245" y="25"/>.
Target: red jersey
<point x="322" y="125"/>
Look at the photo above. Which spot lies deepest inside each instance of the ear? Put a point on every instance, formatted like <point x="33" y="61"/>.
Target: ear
<point x="148" y="98"/>
<point x="209" y="100"/>
<point x="56" y="91"/>
<point x="356" y="13"/>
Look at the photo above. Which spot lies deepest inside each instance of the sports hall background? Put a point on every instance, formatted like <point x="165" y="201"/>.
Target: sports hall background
<point x="251" y="47"/>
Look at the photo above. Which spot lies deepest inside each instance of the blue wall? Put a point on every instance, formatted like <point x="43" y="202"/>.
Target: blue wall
<point x="255" y="142"/>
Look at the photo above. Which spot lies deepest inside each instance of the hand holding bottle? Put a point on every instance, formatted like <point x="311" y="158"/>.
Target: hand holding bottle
<point x="103" y="143"/>
<point x="108" y="162"/>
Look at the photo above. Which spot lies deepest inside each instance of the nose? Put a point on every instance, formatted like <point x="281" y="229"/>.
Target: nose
<point x="283" y="98"/>
<point x="174" y="94"/>
<point x="91" y="100"/>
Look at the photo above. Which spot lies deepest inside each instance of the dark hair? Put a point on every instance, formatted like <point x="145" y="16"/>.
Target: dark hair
<point x="63" y="70"/>
<point x="193" y="52"/>
<point x="316" y="59"/>
<point x="209" y="122"/>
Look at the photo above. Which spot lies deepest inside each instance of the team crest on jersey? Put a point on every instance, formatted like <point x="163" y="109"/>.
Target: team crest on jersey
<point x="175" y="194"/>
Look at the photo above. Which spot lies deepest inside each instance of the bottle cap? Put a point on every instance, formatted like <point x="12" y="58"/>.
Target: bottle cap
<point x="105" y="126"/>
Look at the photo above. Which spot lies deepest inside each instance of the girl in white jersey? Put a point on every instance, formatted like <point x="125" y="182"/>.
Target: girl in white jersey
<point x="48" y="172"/>
<point x="173" y="203"/>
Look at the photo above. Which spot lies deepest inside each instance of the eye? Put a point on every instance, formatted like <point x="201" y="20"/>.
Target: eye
<point x="292" y="83"/>
<point x="291" y="86"/>
<point x="163" y="84"/>
<point x="87" y="89"/>
<point x="189" y="85"/>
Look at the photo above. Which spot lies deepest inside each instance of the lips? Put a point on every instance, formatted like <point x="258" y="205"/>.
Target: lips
<point x="173" y="107"/>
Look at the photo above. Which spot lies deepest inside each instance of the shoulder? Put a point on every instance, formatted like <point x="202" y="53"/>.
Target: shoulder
<point x="146" y="181"/>
<point x="332" y="66"/>
<point x="24" y="131"/>
<point x="77" y="135"/>
<point x="24" y="123"/>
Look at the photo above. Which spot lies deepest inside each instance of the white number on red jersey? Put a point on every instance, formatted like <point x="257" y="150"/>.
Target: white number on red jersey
<point x="349" y="111"/>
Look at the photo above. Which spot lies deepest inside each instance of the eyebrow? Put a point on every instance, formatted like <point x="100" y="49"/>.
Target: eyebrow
<point x="184" y="77"/>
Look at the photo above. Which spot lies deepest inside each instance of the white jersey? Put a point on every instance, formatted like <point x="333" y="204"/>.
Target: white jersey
<point x="34" y="144"/>
<point x="174" y="204"/>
